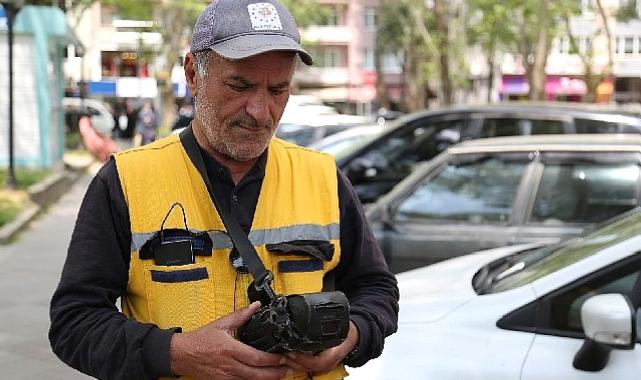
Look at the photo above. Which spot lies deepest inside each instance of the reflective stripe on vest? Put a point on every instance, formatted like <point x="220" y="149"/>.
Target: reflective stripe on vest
<point x="261" y="237"/>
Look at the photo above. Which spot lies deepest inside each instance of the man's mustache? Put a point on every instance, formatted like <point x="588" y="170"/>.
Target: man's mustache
<point x="248" y="121"/>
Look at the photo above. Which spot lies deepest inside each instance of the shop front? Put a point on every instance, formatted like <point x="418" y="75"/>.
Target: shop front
<point x="557" y="88"/>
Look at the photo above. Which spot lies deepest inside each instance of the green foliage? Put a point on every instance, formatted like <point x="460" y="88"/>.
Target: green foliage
<point x="628" y="11"/>
<point x="25" y="177"/>
<point x="8" y="211"/>
<point x="393" y="19"/>
<point x="307" y="12"/>
<point x="488" y="24"/>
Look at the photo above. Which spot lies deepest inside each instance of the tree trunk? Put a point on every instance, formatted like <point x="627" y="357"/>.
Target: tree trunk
<point x="490" y="64"/>
<point x="542" y="48"/>
<point x="382" y="97"/>
<point x="441" y="17"/>
<point x="607" y="71"/>
<point x="173" y="19"/>
<point x="416" y="94"/>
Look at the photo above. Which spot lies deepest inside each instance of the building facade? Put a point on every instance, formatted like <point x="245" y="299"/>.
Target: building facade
<point x="118" y="61"/>
<point x="343" y="73"/>
<point x="565" y="69"/>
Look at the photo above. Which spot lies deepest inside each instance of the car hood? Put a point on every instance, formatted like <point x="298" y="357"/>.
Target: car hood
<point x="443" y="287"/>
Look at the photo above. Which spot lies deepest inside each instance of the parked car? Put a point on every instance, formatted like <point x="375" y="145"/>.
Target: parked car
<point x="100" y="113"/>
<point x="489" y="193"/>
<point x="567" y="312"/>
<point x="375" y="168"/>
<point x="342" y="143"/>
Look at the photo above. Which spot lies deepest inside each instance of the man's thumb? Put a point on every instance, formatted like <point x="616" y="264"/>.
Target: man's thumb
<point x="237" y="318"/>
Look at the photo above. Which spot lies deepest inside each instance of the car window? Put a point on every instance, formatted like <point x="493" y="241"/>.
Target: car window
<point x="495" y="127"/>
<point x="565" y="308"/>
<point x="396" y="154"/>
<point x="594" y="126"/>
<point x="585" y="192"/>
<point x="477" y="192"/>
<point x="600" y="126"/>
<point x="514" y="126"/>
<point x="541" y="262"/>
<point x="302" y="136"/>
<point x="544" y="127"/>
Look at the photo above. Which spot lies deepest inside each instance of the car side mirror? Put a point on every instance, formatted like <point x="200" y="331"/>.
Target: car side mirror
<point x="608" y="323"/>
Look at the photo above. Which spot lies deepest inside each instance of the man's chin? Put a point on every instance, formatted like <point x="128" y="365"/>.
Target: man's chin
<point x="244" y="155"/>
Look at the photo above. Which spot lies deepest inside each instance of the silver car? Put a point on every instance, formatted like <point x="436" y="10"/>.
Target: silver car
<point x="490" y="193"/>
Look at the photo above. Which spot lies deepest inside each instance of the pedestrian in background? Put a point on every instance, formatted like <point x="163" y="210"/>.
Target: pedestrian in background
<point x="182" y="303"/>
<point x="146" y="126"/>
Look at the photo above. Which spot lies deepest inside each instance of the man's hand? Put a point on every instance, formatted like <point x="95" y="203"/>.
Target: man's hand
<point x="326" y="360"/>
<point x="211" y="352"/>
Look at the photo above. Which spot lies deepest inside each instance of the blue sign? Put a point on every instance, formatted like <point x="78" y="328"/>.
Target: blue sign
<point x="3" y="20"/>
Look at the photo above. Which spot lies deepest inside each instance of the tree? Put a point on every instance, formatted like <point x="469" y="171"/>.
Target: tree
<point x="587" y="53"/>
<point x="488" y="26"/>
<point x="534" y="23"/>
<point x="441" y="19"/>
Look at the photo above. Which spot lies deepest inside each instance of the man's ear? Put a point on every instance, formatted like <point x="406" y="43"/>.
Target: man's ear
<point x="190" y="74"/>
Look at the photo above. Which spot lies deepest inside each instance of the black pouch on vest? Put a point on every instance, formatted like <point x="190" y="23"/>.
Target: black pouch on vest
<point x="174" y="247"/>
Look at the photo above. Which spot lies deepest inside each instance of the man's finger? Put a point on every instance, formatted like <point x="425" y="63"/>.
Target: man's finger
<point x="237" y="318"/>
<point x="256" y="358"/>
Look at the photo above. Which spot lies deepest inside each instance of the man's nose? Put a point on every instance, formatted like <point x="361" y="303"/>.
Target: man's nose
<point x="258" y="107"/>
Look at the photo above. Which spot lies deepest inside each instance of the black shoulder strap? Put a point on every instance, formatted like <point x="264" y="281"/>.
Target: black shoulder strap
<point x="238" y="237"/>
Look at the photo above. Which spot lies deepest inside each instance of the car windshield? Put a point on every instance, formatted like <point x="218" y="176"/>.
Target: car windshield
<point x="531" y="265"/>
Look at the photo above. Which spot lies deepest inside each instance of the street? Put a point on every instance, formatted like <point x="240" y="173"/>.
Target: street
<point x="29" y="273"/>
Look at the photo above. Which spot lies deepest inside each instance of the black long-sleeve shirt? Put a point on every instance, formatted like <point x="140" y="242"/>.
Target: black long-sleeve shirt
<point x="90" y="334"/>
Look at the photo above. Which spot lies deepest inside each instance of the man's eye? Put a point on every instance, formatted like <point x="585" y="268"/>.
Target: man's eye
<point x="277" y="91"/>
<point x="238" y="88"/>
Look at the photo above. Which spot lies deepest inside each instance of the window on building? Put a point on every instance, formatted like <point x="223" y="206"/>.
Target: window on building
<point x="120" y="64"/>
<point x="585" y="44"/>
<point x="335" y="16"/>
<point x="393" y="62"/>
<point x="368" y="58"/>
<point x="564" y="45"/>
<point x="639" y="40"/>
<point x="328" y="56"/>
<point x="370" y="17"/>
<point x="628" y="45"/>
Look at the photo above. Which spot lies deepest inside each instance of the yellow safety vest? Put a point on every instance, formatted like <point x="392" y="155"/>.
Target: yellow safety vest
<point x="298" y="201"/>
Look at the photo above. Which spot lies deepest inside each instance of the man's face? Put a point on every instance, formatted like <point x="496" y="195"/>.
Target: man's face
<point x="239" y="103"/>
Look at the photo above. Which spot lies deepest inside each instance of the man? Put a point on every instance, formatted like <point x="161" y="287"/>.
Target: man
<point x="181" y="319"/>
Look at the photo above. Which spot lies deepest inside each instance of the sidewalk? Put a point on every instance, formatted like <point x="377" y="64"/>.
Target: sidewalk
<point x="29" y="272"/>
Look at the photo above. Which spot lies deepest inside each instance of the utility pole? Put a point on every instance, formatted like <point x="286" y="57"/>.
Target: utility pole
<point x="11" y="9"/>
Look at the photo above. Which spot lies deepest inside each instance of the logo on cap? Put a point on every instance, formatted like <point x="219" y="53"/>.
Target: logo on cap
<point x="264" y="17"/>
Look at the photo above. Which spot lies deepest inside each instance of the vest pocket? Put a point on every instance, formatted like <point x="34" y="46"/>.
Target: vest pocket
<point x="300" y="265"/>
<point x="181" y="296"/>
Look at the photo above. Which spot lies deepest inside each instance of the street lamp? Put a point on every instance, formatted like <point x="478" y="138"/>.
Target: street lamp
<point x="11" y="8"/>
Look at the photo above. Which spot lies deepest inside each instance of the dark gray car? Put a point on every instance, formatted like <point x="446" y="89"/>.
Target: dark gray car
<point x="376" y="167"/>
<point x="489" y="193"/>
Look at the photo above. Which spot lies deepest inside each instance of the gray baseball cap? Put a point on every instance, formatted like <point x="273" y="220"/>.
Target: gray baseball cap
<point x="237" y="29"/>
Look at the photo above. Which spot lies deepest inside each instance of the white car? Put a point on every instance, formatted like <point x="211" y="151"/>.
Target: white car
<point x="566" y="312"/>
